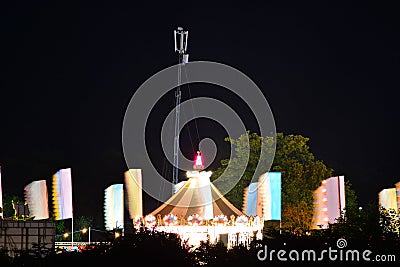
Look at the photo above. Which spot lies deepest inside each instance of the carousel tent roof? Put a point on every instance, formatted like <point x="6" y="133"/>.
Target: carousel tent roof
<point x="198" y="196"/>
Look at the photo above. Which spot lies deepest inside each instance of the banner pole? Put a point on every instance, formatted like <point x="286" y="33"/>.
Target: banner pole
<point x="72" y="232"/>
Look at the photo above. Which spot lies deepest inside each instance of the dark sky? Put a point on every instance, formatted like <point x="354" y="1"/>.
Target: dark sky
<point x="67" y="73"/>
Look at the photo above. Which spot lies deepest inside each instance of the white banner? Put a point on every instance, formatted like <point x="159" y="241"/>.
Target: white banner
<point x="114" y="207"/>
<point x="37" y="199"/>
<point x="62" y="194"/>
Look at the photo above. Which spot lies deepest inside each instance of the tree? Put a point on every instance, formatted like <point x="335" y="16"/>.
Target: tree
<point x="351" y="199"/>
<point x="372" y="227"/>
<point x="8" y="210"/>
<point x="60" y="229"/>
<point x="389" y="222"/>
<point x="82" y="222"/>
<point x="301" y="172"/>
<point x="246" y="157"/>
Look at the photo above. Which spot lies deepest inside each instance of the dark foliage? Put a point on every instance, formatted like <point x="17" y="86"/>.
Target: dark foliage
<point x="163" y="249"/>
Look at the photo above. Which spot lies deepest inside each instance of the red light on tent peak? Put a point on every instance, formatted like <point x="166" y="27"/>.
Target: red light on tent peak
<point x="198" y="161"/>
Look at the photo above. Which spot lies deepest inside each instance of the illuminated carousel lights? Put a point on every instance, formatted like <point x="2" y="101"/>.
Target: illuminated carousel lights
<point x="137" y="221"/>
<point x="257" y="221"/>
<point x="150" y="220"/>
<point x="195" y="219"/>
<point x="239" y="229"/>
<point x="170" y="219"/>
<point x="241" y="220"/>
<point x="220" y="219"/>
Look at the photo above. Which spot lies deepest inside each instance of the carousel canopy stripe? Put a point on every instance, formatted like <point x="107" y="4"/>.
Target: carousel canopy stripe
<point x="199" y="198"/>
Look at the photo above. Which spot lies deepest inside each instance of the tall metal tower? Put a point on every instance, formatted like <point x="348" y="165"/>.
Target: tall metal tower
<point x="180" y="38"/>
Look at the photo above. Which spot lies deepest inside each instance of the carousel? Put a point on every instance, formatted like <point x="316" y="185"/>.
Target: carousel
<point x="198" y="212"/>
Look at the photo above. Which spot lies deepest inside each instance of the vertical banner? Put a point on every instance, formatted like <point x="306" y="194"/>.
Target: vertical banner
<point x="37" y="199"/>
<point x="133" y="188"/>
<point x="62" y="194"/>
<point x="114" y="207"/>
<point x="275" y="186"/>
<point x="251" y="203"/>
<point x="270" y="190"/>
<point x="335" y="197"/>
<point x="1" y="198"/>
<point x="388" y="199"/>
<point x="329" y="202"/>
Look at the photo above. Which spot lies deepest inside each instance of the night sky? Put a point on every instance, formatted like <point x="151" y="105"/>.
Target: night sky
<point x="67" y="73"/>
